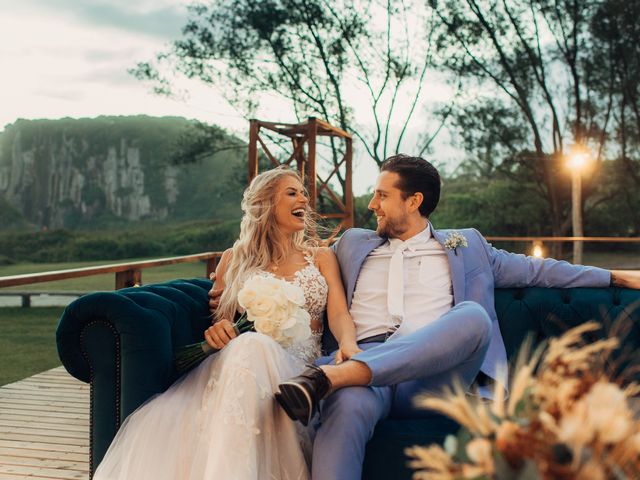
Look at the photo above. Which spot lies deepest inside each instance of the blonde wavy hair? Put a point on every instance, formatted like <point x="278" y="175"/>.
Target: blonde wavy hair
<point x="260" y="243"/>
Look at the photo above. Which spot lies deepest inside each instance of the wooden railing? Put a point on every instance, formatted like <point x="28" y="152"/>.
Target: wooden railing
<point x="127" y="274"/>
<point x="130" y="274"/>
<point x="538" y="241"/>
<point x="564" y="239"/>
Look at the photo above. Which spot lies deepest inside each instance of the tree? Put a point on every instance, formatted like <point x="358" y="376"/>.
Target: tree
<point x="311" y="53"/>
<point x="526" y="64"/>
<point x="616" y="71"/>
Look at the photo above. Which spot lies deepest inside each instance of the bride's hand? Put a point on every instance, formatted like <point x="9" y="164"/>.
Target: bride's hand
<point x="220" y="333"/>
<point x="346" y="351"/>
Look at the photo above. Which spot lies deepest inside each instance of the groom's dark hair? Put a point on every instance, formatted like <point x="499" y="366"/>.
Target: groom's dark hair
<point x="416" y="175"/>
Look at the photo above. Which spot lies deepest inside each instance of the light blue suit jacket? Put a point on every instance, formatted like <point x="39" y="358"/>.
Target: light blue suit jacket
<point x="476" y="270"/>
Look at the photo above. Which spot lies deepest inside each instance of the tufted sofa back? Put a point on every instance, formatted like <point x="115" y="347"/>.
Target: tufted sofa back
<point x="547" y="312"/>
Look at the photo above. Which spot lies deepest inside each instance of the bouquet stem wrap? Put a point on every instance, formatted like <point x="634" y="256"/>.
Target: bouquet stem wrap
<point x="188" y="357"/>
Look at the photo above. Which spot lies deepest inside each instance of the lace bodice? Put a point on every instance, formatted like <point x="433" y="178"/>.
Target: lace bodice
<point x="315" y="289"/>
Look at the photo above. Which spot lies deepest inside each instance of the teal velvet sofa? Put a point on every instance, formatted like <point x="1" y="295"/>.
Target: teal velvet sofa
<point x="122" y="342"/>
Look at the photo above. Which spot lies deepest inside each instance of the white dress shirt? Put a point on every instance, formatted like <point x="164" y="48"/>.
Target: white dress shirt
<point x="428" y="291"/>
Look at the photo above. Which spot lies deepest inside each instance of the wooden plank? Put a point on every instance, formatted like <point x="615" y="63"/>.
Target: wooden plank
<point x="16" y="460"/>
<point x="41" y="402"/>
<point x="78" y="401"/>
<point x="46" y="383"/>
<point x="49" y="383"/>
<point x="38" y="386"/>
<point x="60" y="370"/>
<point x="59" y="382"/>
<point x="43" y="426"/>
<point x="9" y="476"/>
<point x="39" y="472"/>
<point x="30" y="389"/>
<point x="27" y="437"/>
<point x="56" y="380"/>
<point x="45" y="390"/>
<point x="47" y="447"/>
<point x="15" y="404"/>
<point x="44" y="454"/>
<point x="32" y="417"/>
<point x="60" y="378"/>
<point x="43" y="411"/>
<point x="8" y="431"/>
<point x="29" y="418"/>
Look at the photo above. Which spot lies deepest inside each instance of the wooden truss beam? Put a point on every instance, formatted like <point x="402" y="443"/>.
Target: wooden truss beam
<point x="302" y="134"/>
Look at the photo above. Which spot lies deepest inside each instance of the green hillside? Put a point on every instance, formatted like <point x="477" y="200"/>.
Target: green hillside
<point x="135" y="242"/>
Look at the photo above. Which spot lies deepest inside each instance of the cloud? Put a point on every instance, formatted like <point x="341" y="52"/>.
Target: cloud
<point x="148" y="18"/>
<point x="115" y="75"/>
<point x="101" y="55"/>
<point x="64" y="94"/>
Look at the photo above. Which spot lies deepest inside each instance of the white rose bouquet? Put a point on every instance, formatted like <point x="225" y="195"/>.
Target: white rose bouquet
<point x="271" y="306"/>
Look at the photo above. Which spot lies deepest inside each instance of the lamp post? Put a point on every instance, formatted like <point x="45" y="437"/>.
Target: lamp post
<point x="577" y="162"/>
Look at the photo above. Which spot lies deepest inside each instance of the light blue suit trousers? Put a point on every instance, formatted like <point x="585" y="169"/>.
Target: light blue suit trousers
<point x="453" y="346"/>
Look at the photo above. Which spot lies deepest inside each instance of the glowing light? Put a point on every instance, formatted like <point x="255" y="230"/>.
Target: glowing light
<point x="578" y="161"/>
<point x="537" y="250"/>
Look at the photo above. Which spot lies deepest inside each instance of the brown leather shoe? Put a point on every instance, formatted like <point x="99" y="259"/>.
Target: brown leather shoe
<point x="300" y="396"/>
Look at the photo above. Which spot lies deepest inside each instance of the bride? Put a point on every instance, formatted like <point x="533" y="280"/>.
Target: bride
<point x="220" y="420"/>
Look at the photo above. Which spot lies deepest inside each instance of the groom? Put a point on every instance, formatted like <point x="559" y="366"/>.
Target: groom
<point x="423" y="309"/>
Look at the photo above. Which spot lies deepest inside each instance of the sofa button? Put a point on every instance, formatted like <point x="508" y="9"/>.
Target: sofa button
<point x="616" y="301"/>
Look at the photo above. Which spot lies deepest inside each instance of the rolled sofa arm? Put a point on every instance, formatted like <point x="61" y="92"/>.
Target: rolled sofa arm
<point x="122" y="342"/>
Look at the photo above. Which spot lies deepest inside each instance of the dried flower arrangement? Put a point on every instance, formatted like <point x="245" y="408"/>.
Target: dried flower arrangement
<point x="565" y="418"/>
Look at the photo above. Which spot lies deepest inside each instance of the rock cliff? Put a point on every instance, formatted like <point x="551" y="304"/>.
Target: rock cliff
<point x="73" y="173"/>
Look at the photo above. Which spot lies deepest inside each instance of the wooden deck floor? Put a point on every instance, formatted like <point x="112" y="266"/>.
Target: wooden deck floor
<point x="44" y="427"/>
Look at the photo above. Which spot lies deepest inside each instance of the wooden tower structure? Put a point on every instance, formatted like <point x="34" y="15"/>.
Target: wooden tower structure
<point x="302" y="134"/>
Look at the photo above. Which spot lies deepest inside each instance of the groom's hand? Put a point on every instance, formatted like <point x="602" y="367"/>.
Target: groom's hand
<point x="625" y="278"/>
<point x="220" y="333"/>
<point x="346" y="351"/>
<point x="214" y="295"/>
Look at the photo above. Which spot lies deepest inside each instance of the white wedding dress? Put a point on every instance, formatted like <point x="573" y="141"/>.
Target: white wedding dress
<point x="221" y="421"/>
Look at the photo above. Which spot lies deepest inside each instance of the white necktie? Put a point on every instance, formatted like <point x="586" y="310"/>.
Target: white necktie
<point x="395" y="286"/>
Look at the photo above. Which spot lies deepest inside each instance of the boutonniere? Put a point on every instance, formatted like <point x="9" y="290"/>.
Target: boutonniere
<point x="455" y="240"/>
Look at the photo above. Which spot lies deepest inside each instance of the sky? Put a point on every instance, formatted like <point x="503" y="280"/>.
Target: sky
<point x="69" y="58"/>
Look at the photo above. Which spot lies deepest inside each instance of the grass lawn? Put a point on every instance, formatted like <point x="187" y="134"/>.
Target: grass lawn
<point x="27" y="342"/>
